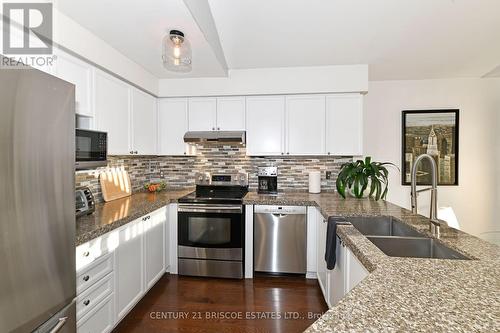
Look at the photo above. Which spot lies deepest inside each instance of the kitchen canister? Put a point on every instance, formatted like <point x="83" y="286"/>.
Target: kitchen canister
<point x="314" y="182"/>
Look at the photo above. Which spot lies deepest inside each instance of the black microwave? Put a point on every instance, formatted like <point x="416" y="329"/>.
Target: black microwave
<point x="91" y="149"/>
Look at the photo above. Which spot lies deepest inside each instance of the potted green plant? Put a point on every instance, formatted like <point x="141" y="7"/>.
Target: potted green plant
<point x="358" y="176"/>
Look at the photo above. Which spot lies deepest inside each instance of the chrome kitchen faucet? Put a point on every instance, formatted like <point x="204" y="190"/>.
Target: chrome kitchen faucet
<point x="434" y="223"/>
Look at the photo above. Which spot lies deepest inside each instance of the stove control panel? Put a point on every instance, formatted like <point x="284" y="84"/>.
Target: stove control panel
<point x="223" y="179"/>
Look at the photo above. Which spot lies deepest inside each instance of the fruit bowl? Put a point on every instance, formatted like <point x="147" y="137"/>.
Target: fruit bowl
<point x="155" y="187"/>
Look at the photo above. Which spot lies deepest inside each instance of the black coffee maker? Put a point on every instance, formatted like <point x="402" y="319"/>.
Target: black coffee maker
<point x="268" y="180"/>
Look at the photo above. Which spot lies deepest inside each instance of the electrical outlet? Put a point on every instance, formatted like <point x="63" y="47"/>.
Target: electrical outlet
<point x="328" y="175"/>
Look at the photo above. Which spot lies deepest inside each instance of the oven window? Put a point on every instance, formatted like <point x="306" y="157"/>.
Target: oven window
<point x="210" y="231"/>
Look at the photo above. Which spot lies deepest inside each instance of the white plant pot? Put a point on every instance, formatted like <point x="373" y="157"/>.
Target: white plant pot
<point x="365" y="194"/>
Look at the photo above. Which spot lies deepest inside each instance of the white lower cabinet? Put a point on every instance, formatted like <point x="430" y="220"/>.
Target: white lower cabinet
<point x="336" y="277"/>
<point x="100" y="319"/>
<point x="129" y="268"/>
<point x="154" y="244"/>
<point x="347" y="273"/>
<point x="115" y="271"/>
<point x="320" y="262"/>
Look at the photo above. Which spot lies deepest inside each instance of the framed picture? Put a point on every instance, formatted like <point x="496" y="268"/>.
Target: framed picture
<point x="433" y="132"/>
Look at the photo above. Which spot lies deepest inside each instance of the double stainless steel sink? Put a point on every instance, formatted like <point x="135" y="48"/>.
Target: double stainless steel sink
<point x="397" y="239"/>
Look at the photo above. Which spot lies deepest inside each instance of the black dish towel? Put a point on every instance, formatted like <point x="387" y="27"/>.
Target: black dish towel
<point x="331" y="243"/>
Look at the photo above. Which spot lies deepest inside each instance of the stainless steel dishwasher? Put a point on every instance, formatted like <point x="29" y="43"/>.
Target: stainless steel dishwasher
<point x="280" y="239"/>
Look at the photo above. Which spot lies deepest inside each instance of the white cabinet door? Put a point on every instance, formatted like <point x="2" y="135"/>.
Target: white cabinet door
<point x="231" y="113"/>
<point x="80" y="73"/>
<point x="337" y="276"/>
<point x="356" y="272"/>
<point x="321" y="247"/>
<point x="154" y="242"/>
<point x="305" y="125"/>
<point x="112" y="109"/>
<point x="202" y="114"/>
<point x="312" y="236"/>
<point x="344" y="124"/>
<point x="172" y="125"/>
<point x="129" y="270"/>
<point x="144" y="123"/>
<point x="100" y="319"/>
<point x="265" y="120"/>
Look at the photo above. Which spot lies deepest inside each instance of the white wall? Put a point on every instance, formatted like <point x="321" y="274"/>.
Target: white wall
<point x="477" y="198"/>
<point x="285" y="80"/>
<point x="81" y="41"/>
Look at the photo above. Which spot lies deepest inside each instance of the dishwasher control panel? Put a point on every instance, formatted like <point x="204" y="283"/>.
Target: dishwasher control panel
<point x="280" y="209"/>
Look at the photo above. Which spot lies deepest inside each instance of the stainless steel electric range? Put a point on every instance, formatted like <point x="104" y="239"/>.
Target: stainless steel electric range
<point x="211" y="227"/>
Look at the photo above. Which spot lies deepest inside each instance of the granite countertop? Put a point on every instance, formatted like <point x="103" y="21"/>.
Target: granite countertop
<point x="407" y="294"/>
<point x="112" y="215"/>
<point x="400" y="294"/>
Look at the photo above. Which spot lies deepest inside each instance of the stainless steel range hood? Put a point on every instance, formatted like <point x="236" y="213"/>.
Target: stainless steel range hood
<point x="215" y="136"/>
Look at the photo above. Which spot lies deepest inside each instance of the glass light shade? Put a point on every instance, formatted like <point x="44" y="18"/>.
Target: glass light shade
<point x="176" y="52"/>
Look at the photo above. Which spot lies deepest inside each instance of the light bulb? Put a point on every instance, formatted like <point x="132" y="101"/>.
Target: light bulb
<point x="177" y="51"/>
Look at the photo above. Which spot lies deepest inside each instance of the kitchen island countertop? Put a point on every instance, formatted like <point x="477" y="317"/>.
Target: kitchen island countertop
<point x="407" y="294"/>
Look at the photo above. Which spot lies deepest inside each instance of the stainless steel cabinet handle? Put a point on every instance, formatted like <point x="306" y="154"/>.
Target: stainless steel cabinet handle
<point x="131" y="152"/>
<point x="218" y="128"/>
<point x="86" y="278"/>
<point x="213" y="128"/>
<point x="135" y="152"/>
<point x="86" y="253"/>
<point x="146" y="218"/>
<point x="59" y="325"/>
<point x="288" y="153"/>
<point x="86" y="302"/>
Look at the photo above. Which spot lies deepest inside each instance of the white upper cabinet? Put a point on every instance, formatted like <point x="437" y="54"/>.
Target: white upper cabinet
<point x="230" y="113"/>
<point x="202" y="114"/>
<point x="112" y="110"/>
<point x="79" y="73"/>
<point x="344" y="124"/>
<point x="305" y="125"/>
<point x="265" y="119"/>
<point x="144" y="123"/>
<point x="172" y="125"/>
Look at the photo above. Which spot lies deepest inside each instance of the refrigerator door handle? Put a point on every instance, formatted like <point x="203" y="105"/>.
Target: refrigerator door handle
<point x="59" y="325"/>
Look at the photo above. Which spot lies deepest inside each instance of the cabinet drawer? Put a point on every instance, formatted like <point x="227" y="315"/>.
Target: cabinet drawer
<point x="89" y="252"/>
<point x="99" y="319"/>
<point x="87" y="300"/>
<point x="94" y="272"/>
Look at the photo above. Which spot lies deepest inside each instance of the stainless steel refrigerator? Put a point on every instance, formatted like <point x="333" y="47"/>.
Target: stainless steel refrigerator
<point x="37" y="207"/>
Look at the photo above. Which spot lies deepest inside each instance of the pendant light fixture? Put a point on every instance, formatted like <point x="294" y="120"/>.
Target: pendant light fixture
<point x="176" y="52"/>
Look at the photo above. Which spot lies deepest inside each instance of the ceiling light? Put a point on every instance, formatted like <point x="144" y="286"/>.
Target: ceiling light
<point x="176" y="52"/>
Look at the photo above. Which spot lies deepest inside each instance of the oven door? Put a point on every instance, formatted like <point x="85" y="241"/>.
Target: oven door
<point x="90" y="148"/>
<point x="210" y="226"/>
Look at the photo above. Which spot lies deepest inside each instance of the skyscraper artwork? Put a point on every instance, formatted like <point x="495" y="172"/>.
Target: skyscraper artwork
<point x="433" y="132"/>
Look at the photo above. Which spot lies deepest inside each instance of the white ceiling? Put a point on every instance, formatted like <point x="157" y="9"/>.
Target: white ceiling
<point x="136" y="29"/>
<point x="411" y="39"/>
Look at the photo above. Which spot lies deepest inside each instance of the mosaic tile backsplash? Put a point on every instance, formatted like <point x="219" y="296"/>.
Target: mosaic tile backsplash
<point x="179" y="171"/>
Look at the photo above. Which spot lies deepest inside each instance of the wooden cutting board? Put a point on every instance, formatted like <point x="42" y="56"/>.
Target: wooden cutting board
<point x="115" y="184"/>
